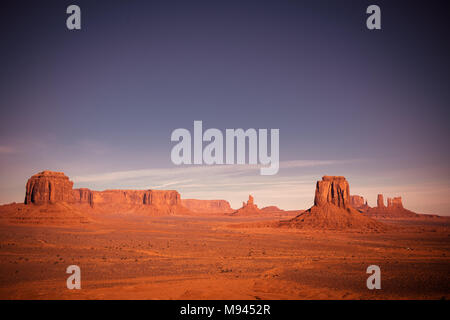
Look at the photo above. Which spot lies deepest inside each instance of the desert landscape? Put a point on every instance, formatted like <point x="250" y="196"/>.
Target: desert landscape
<point x="152" y="244"/>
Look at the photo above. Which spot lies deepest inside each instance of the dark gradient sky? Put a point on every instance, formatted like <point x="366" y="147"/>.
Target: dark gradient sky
<point x="106" y="98"/>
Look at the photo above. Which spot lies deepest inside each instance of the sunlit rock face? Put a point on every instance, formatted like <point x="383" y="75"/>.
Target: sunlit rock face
<point x="332" y="190"/>
<point x="49" y="187"/>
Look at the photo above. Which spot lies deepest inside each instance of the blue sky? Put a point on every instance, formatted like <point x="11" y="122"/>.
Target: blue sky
<point x="103" y="101"/>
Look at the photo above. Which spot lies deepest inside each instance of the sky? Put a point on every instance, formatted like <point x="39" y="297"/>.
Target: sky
<point x="100" y="103"/>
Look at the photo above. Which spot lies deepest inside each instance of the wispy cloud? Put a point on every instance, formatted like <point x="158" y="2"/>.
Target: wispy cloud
<point x="7" y="150"/>
<point x="199" y="170"/>
<point x="315" y="163"/>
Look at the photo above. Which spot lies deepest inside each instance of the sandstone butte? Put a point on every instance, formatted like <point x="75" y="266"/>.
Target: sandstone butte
<point x="248" y="208"/>
<point x="332" y="209"/>
<point x="48" y="187"/>
<point x="393" y="210"/>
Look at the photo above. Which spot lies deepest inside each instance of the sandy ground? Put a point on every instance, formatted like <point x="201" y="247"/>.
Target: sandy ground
<point x="208" y="258"/>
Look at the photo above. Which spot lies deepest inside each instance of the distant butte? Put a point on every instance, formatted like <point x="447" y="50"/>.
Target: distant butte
<point x="393" y="210"/>
<point x="248" y="208"/>
<point x="332" y="209"/>
<point x="207" y="206"/>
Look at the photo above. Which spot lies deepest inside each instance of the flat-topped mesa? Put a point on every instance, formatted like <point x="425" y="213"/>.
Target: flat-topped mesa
<point x="136" y="197"/>
<point x="395" y="202"/>
<point x="380" y="201"/>
<point x="332" y="190"/>
<point x="48" y="187"/>
<point x="207" y="206"/>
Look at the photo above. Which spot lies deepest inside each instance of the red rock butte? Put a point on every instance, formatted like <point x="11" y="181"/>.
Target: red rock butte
<point x="393" y="210"/>
<point x="48" y="187"/>
<point x="332" y="209"/>
<point x="332" y="190"/>
<point x="248" y="208"/>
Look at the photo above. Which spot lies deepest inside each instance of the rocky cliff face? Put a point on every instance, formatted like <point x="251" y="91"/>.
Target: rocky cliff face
<point x="83" y="195"/>
<point x="207" y="206"/>
<point x="380" y="201"/>
<point x="332" y="190"/>
<point x="136" y="197"/>
<point x="49" y="187"/>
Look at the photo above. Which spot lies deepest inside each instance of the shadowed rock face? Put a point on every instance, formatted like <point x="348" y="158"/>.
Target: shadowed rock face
<point x="332" y="190"/>
<point x="83" y="195"/>
<point x="49" y="187"/>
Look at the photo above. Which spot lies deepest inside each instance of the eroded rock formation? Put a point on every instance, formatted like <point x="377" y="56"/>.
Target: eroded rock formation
<point x="250" y="203"/>
<point x="207" y="206"/>
<point x="380" y="201"/>
<point x="83" y="195"/>
<point x="393" y="210"/>
<point x="332" y="209"/>
<point x="332" y="190"/>
<point x="50" y="187"/>
<point x="249" y="208"/>
<point x="395" y="202"/>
